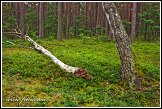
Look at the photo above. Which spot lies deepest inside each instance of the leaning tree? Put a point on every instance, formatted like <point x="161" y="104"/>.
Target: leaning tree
<point x="129" y="73"/>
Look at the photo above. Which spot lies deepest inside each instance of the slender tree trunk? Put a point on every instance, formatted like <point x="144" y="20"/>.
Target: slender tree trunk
<point x="59" y="31"/>
<point x="78" y="20"/>
<point x="17" y="12"/>
<point x="41" y="19"/>
<point x="94" y="17"/>
<point x="122" y="43"/>
<point x="98" y="18"/>
<point x="138" y="21"/>
<point x="121" y="10"/>
<point x="129" y="18"/>
<point x="22" y="19"/>
<point x="145" y="33"/>
<point x="111" y="34"/>
<point x="67" y="21"/>
<point x="133" y="30"/>
<point x="56" y="6"/>
<point x="74" y="18"/>
<point x="107" y="30"/>
<point x="89" y="15"/>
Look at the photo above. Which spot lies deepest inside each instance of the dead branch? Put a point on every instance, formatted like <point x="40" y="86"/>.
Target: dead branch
<point x="76" y="71"/>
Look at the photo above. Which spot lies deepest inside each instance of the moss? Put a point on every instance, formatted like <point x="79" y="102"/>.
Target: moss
<point x="28" y="72"/>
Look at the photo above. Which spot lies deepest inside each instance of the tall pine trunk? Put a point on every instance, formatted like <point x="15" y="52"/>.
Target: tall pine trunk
<point x="133" y="30"/>
<point x="67" y="20"/>
<point x="41" y="19"/>
<point x="17" y="12"/>
<point x="145" y="32"/>
<point x="59" y="30"/>
<point x="122" y="43"/>
<point x="22" y="19"/>
<point x="98" y="18"/>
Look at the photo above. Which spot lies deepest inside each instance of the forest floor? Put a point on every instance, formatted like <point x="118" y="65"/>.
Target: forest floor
<point x="29" y="75"/>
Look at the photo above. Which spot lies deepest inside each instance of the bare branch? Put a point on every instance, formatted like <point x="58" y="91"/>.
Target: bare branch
<point x="13" y="33"/>
<point x="10" y="42"/>
<point x="27" y="30"/>
<point x="17" y="27"/>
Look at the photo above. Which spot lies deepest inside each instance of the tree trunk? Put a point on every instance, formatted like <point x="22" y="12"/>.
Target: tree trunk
<point x="74" y="19"/>
<point x="133" y="30"/>
<point x="107" y="30"/>
<point x="76" y="71"/>
<point x="17" y="12"/>
<point x="138" y="21"/>
<point x="89" y="16"/>
<point x="145" y="32"/>
<point x="22" y="19"/>
<point x="98" y="18"/>
<point x="122" y="43"/>
<point x="59" y="31"/>
<point x="41" y="19"/>
<point x="78" y="18"/>
<point x="67" y="20"/>
<point x="129" y="18"/>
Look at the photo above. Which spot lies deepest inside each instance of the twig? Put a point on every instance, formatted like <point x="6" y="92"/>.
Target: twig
<point x="10" y="42"/>
<point x="17" y="27"/>
<point x="14" y="33"/>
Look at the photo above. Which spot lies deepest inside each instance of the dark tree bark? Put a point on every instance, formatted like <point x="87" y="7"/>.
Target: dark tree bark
<point x="98" y="18"/>
<point x="74" y="19"/>
<point x="138" y="21"/>
<point x="17" y="12"/>
<point x="89" y="15"/>
<point x="41" y="19"/>
<point x="145" y="32"/>
<point x="67" y="20"/>
<point x="123" y="44"/>
<point x="77" y="15"/>
<point x="107" y="30"/>
<point x="129" y="17"/>
<point x="22" y="19"/>
<point x="133" y="30"/>
<point x="59" y="30"/>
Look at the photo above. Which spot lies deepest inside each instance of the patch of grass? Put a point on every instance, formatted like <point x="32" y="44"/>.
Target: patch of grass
<point x="27" y="72"/>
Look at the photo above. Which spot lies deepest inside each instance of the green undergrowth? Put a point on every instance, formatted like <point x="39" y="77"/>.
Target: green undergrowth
<point x="28" y="73"/>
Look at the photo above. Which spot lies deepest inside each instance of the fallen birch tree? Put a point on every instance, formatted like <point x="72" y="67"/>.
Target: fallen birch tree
<point x="76" y="71"/>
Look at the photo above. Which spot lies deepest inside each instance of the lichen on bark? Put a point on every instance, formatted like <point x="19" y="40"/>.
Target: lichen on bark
<point x="123" y="44"/>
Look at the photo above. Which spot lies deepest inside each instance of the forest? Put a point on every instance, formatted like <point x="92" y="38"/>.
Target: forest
<point x="80" y="54"/>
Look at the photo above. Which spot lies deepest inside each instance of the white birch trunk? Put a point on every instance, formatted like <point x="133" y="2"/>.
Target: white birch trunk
<point x="54" y="59"/>
<point x="78" y="72"/>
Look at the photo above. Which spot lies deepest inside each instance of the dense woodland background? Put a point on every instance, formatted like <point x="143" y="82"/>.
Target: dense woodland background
<point x="80" y="19"/>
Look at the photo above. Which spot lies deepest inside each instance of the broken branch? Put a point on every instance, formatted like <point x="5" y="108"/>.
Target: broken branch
<point x="78" y="72"/>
